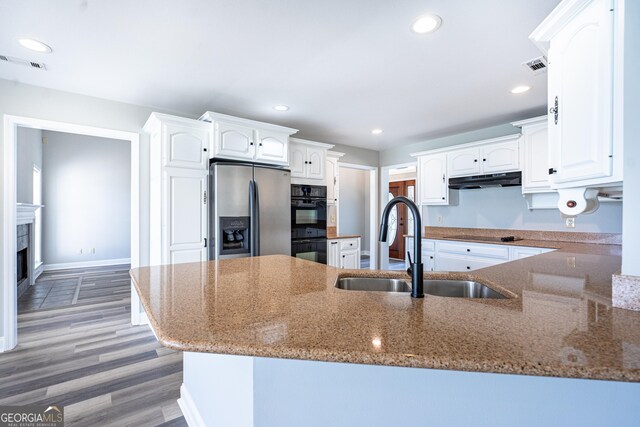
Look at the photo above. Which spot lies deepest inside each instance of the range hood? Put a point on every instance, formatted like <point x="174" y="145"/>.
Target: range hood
<point x="509" y="179"/>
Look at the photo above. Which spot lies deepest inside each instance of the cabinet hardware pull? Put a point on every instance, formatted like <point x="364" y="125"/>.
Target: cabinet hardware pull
<point x="250" y="142"/>
<point x="555" y="110"/>
<point x="204" y="197"/>
<point x="552" y="171"/>
<point x="443" y="178"/>
<point x="443" y="198"/>
<point x="260" y="144"/>
<point x="475" y="160"/>
<point x="205" y="242"/>
<point x="484" y="160"/>
<point x="205" y="150"/>
<point x="468" y="268"/>
<point x="468" y="250"/>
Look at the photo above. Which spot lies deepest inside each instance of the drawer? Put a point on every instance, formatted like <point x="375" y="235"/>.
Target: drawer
<point x="349" y="243"/>
<point x="428" y="245"/>
<point x="474" y="249"/>
<point x="445" y="262"/>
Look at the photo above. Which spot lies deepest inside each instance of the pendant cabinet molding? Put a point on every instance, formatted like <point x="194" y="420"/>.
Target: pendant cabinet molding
<point x="178" y="168"/>
<point x="236" y="138"/>
<point x="583" y="41"/>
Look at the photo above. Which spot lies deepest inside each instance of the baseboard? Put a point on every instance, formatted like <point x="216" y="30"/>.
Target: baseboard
<point x="2" y="345"/>
<point x="86" y="264"/>
<point x="188" y="407"/>
<point x="38" y="271"/>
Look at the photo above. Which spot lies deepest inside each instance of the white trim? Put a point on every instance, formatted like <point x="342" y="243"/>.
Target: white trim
<point x="335" y="154"/>
<point x="86" y="264"/>
<point x="189" y="409"/>
<point x="9" y="223"/>
<point x="313" y="143"/>
<point x="555" y="21"/>
<point x="2" y="347"/>
<point x="449" y="148"/>
<point x="529" y="122"/>
<point x="210" y="116"/>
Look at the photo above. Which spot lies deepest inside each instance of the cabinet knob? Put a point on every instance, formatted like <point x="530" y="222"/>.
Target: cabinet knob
<point x="260" y="144"/>
<point x="309" y="162"/>
<point x="552" y="171"/>
<point x="431" y="257"/>
<point x="306" y="163"/>
<point x="343" y="256"/>
<point x="205" y="150"/>
<point x="475" y="160"/>
<point x="468" y="250"/>
<point x="468" y="268"/>
<point x="484" y="160"/>
<point x="250" y="142"/>
<point x="443" y="198"/>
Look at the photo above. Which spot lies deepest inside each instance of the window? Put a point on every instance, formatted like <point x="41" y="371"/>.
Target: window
<point x="37" y="200"/>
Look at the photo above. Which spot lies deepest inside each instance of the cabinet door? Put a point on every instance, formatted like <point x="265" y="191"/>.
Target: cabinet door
<point x="522" y="252"/>
<point x="234" y="141"/>
<point x="464" y="162"/>
<point x="185" y="216"/>
<point x="581" y="77"/>
<point x="408" y="244"/>
<point x="331" y="180"/>
<point x="350" y="259"/>
<point x="428" y="261"/>
<point x="333" y="253"/>
<point x="297" y="160"/>
<point x="315" y="163"/>
<point x="433" y="180"/>
<point x="535" y="170"/>
<point x="272" y="147"/>
<point x="185" y="146"/>
<point x="501" y="157"/>
<point x="447" y="262"/>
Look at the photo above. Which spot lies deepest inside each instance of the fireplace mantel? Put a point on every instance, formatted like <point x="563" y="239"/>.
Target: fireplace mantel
<point x="26" y="213"/>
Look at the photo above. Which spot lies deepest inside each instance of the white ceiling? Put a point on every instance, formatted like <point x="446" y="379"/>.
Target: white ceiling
<point x="344" y="67"/>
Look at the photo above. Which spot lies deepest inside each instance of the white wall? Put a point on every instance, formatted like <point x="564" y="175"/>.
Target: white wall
<point x="87" y="198"/>
<point x="354" y="204"/>
<point x="506" y="208"/>
<point x="28" y="153"/>
<point x="631" y="225"/>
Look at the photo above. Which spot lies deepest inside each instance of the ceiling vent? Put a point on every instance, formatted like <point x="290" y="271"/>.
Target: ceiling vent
<point x="537" y="65"/>
<point x="38" y="65"/>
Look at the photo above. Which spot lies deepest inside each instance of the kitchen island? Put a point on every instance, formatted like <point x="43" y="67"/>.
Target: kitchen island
<point x="258" y="333"/>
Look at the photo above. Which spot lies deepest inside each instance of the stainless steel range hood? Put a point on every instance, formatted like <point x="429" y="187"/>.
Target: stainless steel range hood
<point x="509" y="179"/>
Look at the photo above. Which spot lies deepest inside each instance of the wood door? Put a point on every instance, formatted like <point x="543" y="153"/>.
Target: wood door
<point x="399" y="221"/>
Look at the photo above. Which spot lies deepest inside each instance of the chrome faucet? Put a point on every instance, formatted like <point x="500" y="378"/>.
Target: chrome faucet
<point x="416" y="267"/>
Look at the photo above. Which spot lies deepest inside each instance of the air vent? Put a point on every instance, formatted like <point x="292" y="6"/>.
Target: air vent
<point x="18" y="61"/>
<point x="537" y="65"/>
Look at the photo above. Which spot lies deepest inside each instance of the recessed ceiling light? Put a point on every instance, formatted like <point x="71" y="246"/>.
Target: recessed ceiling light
<point x="34" y="45"/>
<point x="280" y="107"/>
<point x="376" y="131"/>
<point x="520" y="89"/>
<point x="426" y="24"/>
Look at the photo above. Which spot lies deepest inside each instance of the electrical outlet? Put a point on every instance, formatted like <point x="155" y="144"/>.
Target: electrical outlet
<point x="571" y="222"/>
<point x="439" y="219"/>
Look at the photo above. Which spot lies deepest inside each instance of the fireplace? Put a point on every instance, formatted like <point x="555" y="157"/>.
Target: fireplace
<point x="22" y="256"/>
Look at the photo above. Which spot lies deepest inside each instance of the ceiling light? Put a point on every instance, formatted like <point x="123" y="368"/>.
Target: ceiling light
<point x="280" y="107"/>
<point x="376" y="131"/>
<point x="426" y="24"/>
<point x="34" y="45"/>
<point x="520" y="89"/>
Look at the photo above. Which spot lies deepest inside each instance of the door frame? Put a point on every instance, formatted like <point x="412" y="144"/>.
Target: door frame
<point x="384" y="189"/>
<point x="9" y="340"/>
<point x="374" y="219"/>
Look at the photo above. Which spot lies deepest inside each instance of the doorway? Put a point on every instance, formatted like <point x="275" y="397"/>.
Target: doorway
<point x="400" y="223"/>
<point x="9" y="261"/>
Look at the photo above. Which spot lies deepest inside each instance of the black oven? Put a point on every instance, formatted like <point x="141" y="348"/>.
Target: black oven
<point x="309" y="222"/>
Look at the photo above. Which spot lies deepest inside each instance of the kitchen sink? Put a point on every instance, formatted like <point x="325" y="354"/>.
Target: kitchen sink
<point x="441" y="288"/>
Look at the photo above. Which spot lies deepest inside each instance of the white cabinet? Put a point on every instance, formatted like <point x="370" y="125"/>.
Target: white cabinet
<point x="344" y="253"/>
<point x="307" y="160"/>
<point x="242" y="139"/>
<point x="485" y="159"/>
<point x="332" y="177"/>
<point x="583" y="42"/>
<point x="519" y="252"/>
<point x="428" y="253"/>
<point x="450" y="262"/>
<point x="178" y="168"/>
<point x="433" y="179"/>
<point x="464" y="162"/>
<point x="535" y="155"/>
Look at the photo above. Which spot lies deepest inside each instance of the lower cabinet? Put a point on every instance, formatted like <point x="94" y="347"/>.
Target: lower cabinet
<point x="344" y="253"/>
<point x="447" y="255"/>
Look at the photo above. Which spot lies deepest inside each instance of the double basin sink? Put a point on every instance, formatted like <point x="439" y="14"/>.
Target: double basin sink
<point x="441" y="288"/>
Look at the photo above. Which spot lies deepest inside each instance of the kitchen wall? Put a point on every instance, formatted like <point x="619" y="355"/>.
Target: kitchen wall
<point x="353" y="216"/>
<point x="506" y="208"/>
<point x="358" y="156"/>
<point x="87" y="198"/>
<point x="631" y="225"/>
<point x="28" y="154"/>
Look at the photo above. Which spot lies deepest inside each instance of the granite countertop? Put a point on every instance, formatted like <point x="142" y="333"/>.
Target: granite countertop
<point x="558" y="322"/>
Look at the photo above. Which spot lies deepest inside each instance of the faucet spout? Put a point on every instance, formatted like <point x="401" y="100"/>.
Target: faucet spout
<point x="416" y="266"/>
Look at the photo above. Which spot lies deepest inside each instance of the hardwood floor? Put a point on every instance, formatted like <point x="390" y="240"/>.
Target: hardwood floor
<point x="85" y="355"/>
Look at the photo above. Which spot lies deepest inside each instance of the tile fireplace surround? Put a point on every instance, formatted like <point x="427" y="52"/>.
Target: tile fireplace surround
<point x="26" y="216"/>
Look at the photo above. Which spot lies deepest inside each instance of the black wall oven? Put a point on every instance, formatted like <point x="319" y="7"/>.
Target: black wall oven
<point x="309" y="222"/>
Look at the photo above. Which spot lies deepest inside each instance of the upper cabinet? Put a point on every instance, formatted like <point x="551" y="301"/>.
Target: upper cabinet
<point x="535" y="155"/>
<point x="489" y="157"/>
<point x="432" y="176"/>
<point x="435" y="167"/>
<point x="307" y="160"/>
<point x="583" y="42"/>
<point x="332" y="177"/>
<point x="241" y="139"/>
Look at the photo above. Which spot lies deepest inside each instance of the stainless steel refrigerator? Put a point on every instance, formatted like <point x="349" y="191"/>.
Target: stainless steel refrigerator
<point x="249" y="212"/>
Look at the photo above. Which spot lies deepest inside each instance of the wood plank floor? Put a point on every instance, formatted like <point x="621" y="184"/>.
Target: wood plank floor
<point x="78" y="349"/>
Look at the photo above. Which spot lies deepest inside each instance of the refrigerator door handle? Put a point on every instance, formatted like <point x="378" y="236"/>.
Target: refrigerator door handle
<point x="256" y="216"/>
<point x="252" y="218"/>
